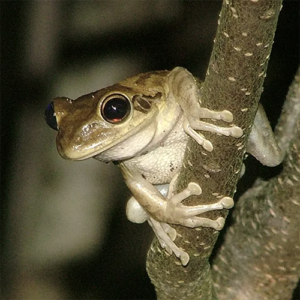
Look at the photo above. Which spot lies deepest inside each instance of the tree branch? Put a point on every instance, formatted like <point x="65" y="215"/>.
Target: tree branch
<point x="260" y="256"/>
<point x="234" y="82"/>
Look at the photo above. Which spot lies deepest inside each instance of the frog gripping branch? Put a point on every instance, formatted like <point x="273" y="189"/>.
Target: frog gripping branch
<point x="143" y="123"/>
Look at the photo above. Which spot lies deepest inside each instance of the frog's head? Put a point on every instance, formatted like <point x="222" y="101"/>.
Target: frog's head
<point x="97" y="122"/>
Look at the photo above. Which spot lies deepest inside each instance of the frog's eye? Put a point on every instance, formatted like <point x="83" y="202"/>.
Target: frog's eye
<point x="50" y="116"/>
<point x="115" y="108"/>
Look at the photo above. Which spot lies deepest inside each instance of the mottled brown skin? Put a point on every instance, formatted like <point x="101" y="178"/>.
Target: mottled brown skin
<point x="80" y="122"/>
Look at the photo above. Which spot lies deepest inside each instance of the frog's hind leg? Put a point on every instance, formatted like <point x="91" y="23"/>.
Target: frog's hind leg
<point x="165" y="235"/>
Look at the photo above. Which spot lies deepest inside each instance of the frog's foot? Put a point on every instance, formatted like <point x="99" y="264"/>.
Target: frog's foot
<point x="177" y="213"/>
<point x="205" y="113"/>
<point x="166" y="235"/>
<point x="191" y="124"/>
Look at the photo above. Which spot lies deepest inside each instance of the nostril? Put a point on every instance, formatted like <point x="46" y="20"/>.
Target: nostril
<point x="50" y="117"/>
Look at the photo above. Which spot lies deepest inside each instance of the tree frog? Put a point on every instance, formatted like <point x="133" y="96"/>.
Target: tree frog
<point x="142" y="123"/>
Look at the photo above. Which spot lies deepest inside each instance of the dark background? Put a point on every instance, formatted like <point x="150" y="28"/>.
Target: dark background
<point x="185" y="39"/>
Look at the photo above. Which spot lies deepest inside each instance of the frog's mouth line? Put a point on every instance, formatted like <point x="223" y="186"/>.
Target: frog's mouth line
<point x="95" y="150"/>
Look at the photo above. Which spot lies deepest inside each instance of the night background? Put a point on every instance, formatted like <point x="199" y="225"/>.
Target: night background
<point x="64" y="232"/>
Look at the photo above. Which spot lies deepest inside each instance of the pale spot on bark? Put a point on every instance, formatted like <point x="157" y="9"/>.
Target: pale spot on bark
<point x="233" y="270"/>
<point x="297" y="169"/>
<point x="272" y="212"/>
<point x="256" y="268"/>
<point x="268" y="14"/>
<point x="243" y="222"/>
<point x="237" y="48"/>
<point x="248" y="54"/>
<point x="234" y="13"/>
<point x="216" y="268"/>
<point x="231" y="79"/>
<point x="274" y="230"/>
<point x="254" y="226"/>
<point x="295" y="202"/>
<point x="257" y="218"/>
<point x="223" y="259"/>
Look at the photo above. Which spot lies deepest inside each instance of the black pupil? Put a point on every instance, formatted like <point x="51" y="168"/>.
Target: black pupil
<point x="116" y="109"/>
<point x="50" y="116"/>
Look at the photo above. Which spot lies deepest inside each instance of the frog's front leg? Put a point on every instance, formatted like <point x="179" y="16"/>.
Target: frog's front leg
<point x="165" y="234"/>
<point x="184" y="88"/>
<point x="149" y="204"/>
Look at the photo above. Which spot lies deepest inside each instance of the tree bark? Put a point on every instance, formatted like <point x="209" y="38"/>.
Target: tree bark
<point x="260" y="258"/>
<point x="233" y="82"/>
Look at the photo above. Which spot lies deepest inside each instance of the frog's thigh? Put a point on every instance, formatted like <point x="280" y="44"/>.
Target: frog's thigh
<point x="261" y="142"/>
<point x="135" y="212"/>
